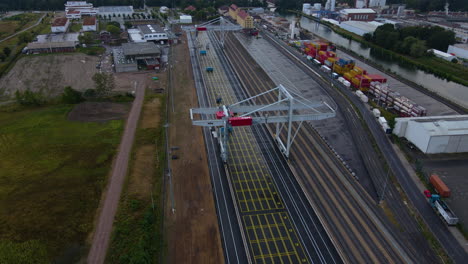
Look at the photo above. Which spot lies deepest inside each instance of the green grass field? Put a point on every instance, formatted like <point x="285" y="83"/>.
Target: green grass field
<point x="52" y="173"/>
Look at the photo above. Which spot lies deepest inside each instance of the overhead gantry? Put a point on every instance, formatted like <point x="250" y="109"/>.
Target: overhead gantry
<point x="285" y="110"/>
<point x="218" y="24"/>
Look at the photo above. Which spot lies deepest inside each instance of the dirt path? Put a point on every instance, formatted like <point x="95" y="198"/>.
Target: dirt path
<point x="192" y="230"/>
<point x="19" y="32"/>
<point x="103" y="230"/>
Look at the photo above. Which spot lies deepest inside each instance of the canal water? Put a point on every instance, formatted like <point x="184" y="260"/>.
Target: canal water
<point x="453" y="91"/>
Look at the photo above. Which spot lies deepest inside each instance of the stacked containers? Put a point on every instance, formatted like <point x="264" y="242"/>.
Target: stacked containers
<point x="361" y="82"/>
<point x="377" y="78"/>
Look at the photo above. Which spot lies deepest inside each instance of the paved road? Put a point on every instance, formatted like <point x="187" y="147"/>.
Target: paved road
<point x="19" y="32"/>
<point x="103" y="231"/>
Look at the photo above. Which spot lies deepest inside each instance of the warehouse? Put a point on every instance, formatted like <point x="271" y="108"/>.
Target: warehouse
<point x="357" y="14"/>
<point x="435" y="134"/>
<point x="460" y="50"/>
<point x="50" y="47"/>
<point x="131" y="56"/>
<point x="60" y="25"/>
<point x="153" y="32"/>
<point x="359" y="27"/>
<point x="115" y="10"/>
<point x="443" y="55"/>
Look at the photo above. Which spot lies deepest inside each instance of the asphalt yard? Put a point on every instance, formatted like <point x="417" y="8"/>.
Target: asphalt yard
<point x="271" y="235"/>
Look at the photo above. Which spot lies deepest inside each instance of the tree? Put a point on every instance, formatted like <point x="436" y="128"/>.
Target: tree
<point x="25" y="37"/>
<point x="367" y="37"/>
<point x="113" y="29"/>
<point x="71" y="96"/>
<point x="104" y="83"/>
<point x="7" y="51"/>
<point x="407" y="43"/>
<point x="441" y="40"/>
<point x="2" y="57"/>
<point x="29" y="98"/>
<point x="86" y="38"/>
<point x="418" y="49"/>
<point x="128" y="24"/>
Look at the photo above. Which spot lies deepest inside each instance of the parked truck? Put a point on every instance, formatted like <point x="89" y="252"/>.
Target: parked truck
<point x="443" y="210"/>
<point x="439" y="186"/>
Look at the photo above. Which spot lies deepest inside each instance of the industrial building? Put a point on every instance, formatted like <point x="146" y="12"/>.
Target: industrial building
<point x="460" y="50"/>
<point x="359" y="27"/>
<point x="146" y="33"/>
<point x="369" y="3"/>
<point x="184" y="19"/>
<point x="75" y="9"/>
<point x="131" y="56"/>
<point x="52" y="43"/>
<point x="359" y="14"/>
<point x="115" y="10"/>
<point x="89" y="24"/>
<point x="60" y="25"/>
<point x="435" y="134"/>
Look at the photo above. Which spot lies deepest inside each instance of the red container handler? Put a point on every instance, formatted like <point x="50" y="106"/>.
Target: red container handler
<point x="201" y="28"/>
<point x="240" y="121"/>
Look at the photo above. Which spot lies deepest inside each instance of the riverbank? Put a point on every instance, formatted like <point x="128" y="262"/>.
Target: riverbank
<point x="431" y="65"/>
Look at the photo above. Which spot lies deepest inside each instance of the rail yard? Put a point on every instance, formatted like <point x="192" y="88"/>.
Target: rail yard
<point x="313" y="206"/>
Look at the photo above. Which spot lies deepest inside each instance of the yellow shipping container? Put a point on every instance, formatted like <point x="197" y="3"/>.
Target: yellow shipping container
<point x="348" y="76"/>
<point x="359" y="70"/>
<point x="322" y="52"/>
<point x="353" y="73"/>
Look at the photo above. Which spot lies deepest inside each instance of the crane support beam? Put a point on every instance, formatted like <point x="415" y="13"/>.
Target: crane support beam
<point x="267" y="119"/>
<point x="253" y="108"/>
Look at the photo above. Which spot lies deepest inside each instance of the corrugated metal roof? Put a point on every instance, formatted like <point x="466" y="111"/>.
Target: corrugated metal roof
<point x="47" y="45"/>
<point x="132" y="49"/>
<point x="60" y="22"/>
<point x="357" y="11"/>
<point x="115" y="9"/>
<point x="89" y="21"/>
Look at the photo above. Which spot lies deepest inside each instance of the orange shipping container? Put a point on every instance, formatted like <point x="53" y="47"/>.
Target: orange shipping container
<point x="440" y="186"/>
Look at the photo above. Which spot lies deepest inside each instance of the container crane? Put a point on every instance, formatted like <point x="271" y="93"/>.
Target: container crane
<point x="218" y="24"/>
<point x="286" y="109"/>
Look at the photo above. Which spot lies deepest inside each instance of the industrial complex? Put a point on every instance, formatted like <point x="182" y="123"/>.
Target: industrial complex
<point x="308" y="149"/>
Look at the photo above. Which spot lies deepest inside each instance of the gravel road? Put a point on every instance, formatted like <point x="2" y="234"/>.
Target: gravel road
<point x="97" y="253"/>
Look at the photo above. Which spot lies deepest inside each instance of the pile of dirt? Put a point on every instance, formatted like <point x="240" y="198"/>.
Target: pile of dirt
<point x="98" y="111"/>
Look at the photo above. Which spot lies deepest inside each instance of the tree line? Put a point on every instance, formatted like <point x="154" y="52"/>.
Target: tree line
<point x="432" y="5"/>
<point x="59" y="4"/>
<point x="412" y="41"/>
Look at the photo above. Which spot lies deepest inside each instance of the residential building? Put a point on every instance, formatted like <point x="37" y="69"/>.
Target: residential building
<point x="60" y="25"/>
<point x="190" y="8"/>
<point x="73" y="14"/>
<point x="233" y="9"/>
<point x="357" y="14"/>
<point x="89" y="24"/>
<point x="244" y="19"/>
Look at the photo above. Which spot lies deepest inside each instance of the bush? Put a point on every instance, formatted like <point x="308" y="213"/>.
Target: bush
<point x="89" y="93"/>
<point x="29" y="98"/>
<point x="71" y="96"/>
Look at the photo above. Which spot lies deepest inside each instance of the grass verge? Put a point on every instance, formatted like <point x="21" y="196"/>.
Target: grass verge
<point x="137" y="236"/>
<point x="52" y="173"/>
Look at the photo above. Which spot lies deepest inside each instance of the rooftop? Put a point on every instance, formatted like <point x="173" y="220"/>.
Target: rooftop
<point x="57" y="38"/>
<point x="115" y="9"/>
<point x="357" y="11"/>
<point x="48" y="45"/>
<point x="370" y="27"/>
<point x="190" y="8"/>
<point x="60" y="22"/>
<point x="233" y="7"/>
<point x="143" y="48"/>
<point x="442" y="125"/>
<point x="76" y="3"/>
<point x="89" y="21"/>
<point x="73" y="11"/>
<point x="243" y="14"/>
<point x="150" y="29"/>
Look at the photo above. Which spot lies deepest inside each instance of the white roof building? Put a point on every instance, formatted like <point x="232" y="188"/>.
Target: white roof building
<point x="117" y="10"/>
<point x="185" y="19"/>
<point x="443" y="55"/>
<point x="357" y="11"/>
<point x="435" y="134"/>
<point x="460" y="50"/>
<point x="359" y="27"/>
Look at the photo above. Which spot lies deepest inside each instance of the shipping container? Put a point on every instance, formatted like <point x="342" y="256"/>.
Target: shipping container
<point x="439" y="186"/>
<point x="376" y="112"/>
<point x="240" y="121"/>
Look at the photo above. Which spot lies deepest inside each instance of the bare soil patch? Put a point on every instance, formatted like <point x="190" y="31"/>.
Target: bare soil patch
<point x="192" y="231"/>
<point x="50" y="74"/>
<point x="141" y="176"/>
<point x="149" y="118"/>
<point x="98" y="111"/>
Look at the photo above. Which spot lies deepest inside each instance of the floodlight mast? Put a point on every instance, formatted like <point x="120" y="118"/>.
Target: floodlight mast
<point x="226" y="119"/>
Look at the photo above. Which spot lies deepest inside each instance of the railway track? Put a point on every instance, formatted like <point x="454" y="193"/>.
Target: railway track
<point x="347" y="218"/>
<point x="407" y="228"/>
<point x="277" y="227"/>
